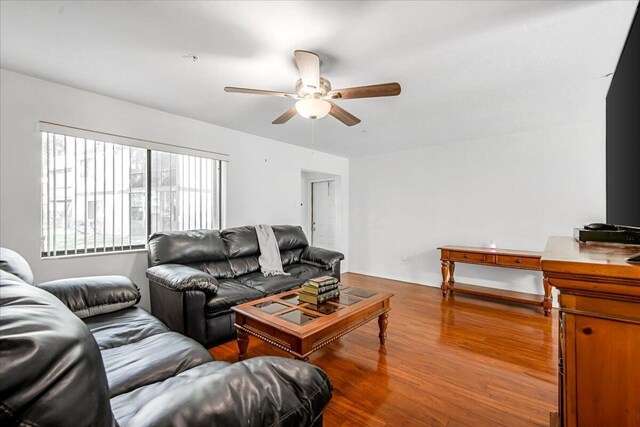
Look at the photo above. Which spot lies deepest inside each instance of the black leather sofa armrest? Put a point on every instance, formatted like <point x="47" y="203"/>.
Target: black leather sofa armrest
<point x="321" y="257"/>
<point x="90" y="296"/>
<point x="264" y="391"/>
<point x="179" y="277"/>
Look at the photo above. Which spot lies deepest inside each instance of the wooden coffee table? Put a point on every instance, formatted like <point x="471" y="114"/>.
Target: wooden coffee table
<point x="301" y="328"/>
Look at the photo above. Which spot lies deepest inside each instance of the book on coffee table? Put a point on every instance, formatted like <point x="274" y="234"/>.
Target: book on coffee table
<point x="318" y="299"/>
<point x="322" y="281"/>
<point x="318" y="291"/>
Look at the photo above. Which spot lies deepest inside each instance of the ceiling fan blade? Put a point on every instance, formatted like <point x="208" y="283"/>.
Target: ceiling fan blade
<point x="343" y="115"/>
<point x="286" y="116"/>
<point x="371" y="91"/>
<point x="259" y="92"/>
<point x="309" y="66"/>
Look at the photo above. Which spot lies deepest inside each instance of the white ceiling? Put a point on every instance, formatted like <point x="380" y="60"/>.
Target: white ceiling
<point x="467" y="69"/>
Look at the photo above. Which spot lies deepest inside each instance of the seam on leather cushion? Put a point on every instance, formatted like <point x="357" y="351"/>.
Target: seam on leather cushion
<point x="104" y="308"/>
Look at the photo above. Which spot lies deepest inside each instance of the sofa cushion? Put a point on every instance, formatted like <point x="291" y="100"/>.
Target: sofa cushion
<point x="291" y="256"/>
<point x="231" y="292"/>
<point x="13" y="263"/>
<point x="289" y="236"/>
<point x="272" y="284"/>
<point x="305" y="271"/>
<point x="150" y="360"/>
<point x="184" y="247"/>
<point x="126" y="405"/>
<point x="124" y="327"/>
<point x="241" y="241"/>
<point x="218" y="269"/>
<point x="244" y="265"/>
<point x="95" y="295"/>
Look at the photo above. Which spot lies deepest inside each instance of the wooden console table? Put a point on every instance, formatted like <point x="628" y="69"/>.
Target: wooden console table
<point x="523" y="260"/>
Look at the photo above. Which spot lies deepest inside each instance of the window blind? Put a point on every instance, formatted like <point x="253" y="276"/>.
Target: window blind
<point x="100" y="196"/>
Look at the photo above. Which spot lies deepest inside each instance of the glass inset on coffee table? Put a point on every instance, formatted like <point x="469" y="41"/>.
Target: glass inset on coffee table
<point x="291" y="298"/>
<point x="346" y="299"/>
<point x="326" y="308"/>
<point x="298" y="317"/>
<point x="271" y="307"/>
<point x="359" y="292"/>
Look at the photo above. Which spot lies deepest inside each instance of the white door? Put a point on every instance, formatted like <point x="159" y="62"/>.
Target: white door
<point x="323" y="214"/>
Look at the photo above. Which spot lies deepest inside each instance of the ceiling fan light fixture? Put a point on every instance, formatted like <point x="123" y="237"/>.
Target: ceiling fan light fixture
<point x="313" y="108"/>
<point x="313" y="91"/>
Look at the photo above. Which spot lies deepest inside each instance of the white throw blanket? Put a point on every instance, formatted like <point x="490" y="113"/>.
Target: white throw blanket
<point x="270" y="261"/>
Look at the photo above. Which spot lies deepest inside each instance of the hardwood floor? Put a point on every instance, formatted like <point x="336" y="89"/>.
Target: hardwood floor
<point x="461" y="362"/>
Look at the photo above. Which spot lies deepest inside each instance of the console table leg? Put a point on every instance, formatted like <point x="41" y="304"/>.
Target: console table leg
<point x="383" y="321"/>
<point x="444" y="267"/>
<point x="452" y="268"/>
<point x="547" y="303"/>
<point x="243" y="344"/>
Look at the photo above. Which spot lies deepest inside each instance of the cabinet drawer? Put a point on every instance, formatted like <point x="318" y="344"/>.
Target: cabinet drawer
<point x="469" y="256"/>
<point x="514" y="261"/>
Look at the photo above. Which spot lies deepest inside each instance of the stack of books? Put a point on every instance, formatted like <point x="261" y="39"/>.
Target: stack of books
<point x="319" y="290"/>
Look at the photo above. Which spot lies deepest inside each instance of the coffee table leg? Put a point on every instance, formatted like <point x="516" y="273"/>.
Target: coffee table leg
<point x="383" y="321"/>
<point x="243" y="343"/>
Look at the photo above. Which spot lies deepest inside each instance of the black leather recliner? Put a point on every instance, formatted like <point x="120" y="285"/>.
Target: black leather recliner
<point x="78" y="352"/>
<point x="196" y="276"/>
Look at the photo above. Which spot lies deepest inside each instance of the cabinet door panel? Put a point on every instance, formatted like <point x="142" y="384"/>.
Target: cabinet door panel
<point x="607" y="372"/>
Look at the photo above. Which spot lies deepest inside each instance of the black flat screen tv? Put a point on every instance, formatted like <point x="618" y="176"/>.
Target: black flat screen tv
<point x="623" y="135"/>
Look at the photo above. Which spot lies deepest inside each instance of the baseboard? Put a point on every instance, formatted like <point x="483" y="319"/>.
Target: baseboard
<point x="398" y="278"/>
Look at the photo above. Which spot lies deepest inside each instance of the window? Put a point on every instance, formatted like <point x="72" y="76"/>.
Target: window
<point x="185" y="192"/>
<point x="100" y="196"/>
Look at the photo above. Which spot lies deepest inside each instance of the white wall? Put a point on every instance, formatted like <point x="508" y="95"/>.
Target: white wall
<point x="264" y="184"/>
<point x="515" y="190"/>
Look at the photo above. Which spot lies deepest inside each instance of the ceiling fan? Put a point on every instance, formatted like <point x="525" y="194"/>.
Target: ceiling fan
<point x="314" y="94"/>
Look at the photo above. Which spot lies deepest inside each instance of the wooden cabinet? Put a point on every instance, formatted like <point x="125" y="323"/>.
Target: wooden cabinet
<point x="599" y="366"/>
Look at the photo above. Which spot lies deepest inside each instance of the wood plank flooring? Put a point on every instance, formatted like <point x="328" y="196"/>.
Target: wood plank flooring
<point x="461" y="362"/>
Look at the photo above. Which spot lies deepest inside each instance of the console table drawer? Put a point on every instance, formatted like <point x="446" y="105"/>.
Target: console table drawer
<point x="470" y="257"/>
<point x="514" y="261"/>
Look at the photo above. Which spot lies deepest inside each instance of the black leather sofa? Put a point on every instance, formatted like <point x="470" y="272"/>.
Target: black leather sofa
<point x="196" y="276"/>
<point x="78" y="352"/>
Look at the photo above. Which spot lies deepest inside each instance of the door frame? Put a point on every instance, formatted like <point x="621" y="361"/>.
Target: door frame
<point x="335" y="205"/>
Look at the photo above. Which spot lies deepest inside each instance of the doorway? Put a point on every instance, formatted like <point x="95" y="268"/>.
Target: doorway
<point x="321" y="209"/>
<point x="323" y="213"/>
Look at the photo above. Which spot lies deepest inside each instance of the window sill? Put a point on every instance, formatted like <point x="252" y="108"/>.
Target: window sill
<point x="127" y="251"/>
